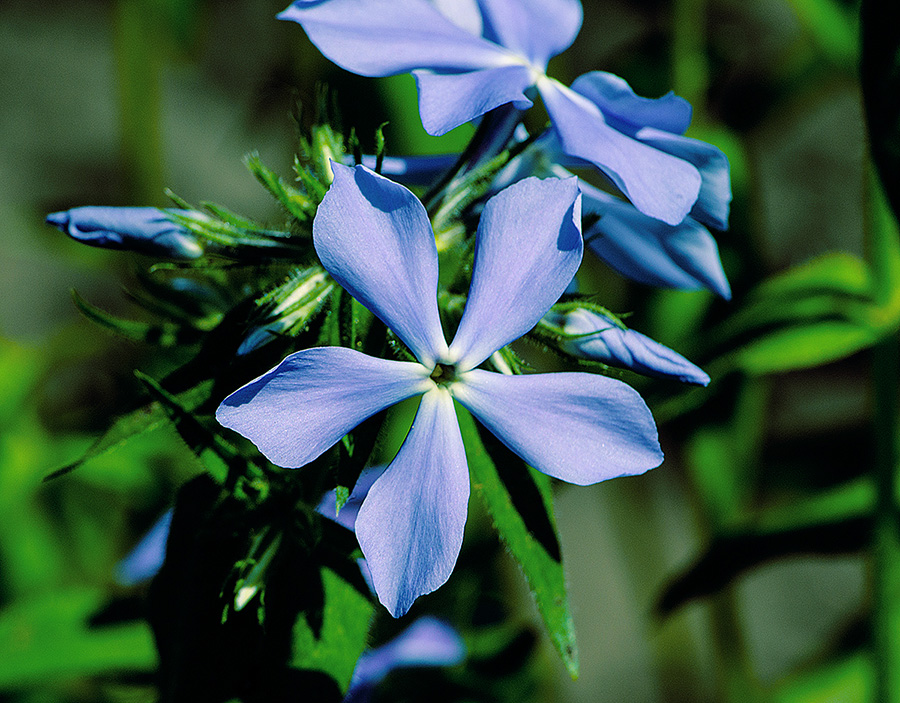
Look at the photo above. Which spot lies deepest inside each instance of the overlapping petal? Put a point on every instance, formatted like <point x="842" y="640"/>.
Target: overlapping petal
<point x="649" y="251"/>
<point x="374" y="237"/>
<point x="714" y="202"/>
<point x="579" y="427"/>
<point x="412" y="170"/>
<point x="387" y="37"/>
<point x="145" y="230"/>
<point x="536" y="29"/>
<point x="410" y="526"/>
<point x="597" y="337"/>
<point x="346" y="516"/>
<point x="527" y="249"/>
<point x="659" y="184"/>
<point x="628" y="112"/>
<point x="314" y="397"/>
<point x="447" y="100"/>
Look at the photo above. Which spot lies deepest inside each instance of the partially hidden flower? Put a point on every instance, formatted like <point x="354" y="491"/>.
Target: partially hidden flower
<point x="472" y="56"/>
<point x="146" y="230"/>
<point x="146" y="559"/>
<point x="590" y="335"/>
<point x="373" y="236"/>
<point x="427" y="642"/>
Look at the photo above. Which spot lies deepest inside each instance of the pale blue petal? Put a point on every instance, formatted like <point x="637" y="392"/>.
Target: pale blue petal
<point x="314" y="397"/>
<point x="147" y="558"/>
<point x="447" y="100"/>
<point x="649" y="251"/>
<point x="660" y="185"/>
<point x="374" y="237"/>
<point x="411" y="524"/>
<point x="427" y="642"/>
<point x="535" y="29"/>
<point x="714" y="202"/>
<point x="597" y="337"/>
<point x="145" y="230"/>
<point x="527" y="249"/>
<point x="346" y="517"/>
<point x="412" y="170"/>
<point x="463" y="13"/>
<point x="386" y="37"/>
<point x="578" y="427"/>
<point x="628" y="112"/>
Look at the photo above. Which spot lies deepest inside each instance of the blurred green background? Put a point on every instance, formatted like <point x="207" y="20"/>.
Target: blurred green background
<point x="105" y="103"/>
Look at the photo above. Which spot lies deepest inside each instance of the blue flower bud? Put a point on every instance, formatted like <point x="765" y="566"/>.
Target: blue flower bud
<point x="146" y="230"/>
<point x="594" y="336"/>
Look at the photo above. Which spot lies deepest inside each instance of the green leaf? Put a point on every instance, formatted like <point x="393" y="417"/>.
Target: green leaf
<point x="345" y="627"/>
<point x="507" y="486"/>
<point x="804" y="346"/>
<point x="48" y="637"/>
<point x="145" y="419"/>
<point x="847" y="680"/>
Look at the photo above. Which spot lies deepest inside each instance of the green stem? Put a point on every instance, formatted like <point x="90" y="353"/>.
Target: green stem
<point x="885" y="564"/>
<point x="690" y="68"/>
<point x="139" y="67"/>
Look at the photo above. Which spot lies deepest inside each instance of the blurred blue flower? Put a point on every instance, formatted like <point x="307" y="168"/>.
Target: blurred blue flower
<point x="146" y="559"/>
<point x="594" y="336"/>
<point x="472" y="56"/>
<point x="146" y="230"/>
<point x="373" y="236"/>
<point x="427" y="642"/>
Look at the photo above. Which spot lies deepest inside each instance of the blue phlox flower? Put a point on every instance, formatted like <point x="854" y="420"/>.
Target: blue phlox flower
<point x="373" y="236"/>
<point x="146" y="230"/>
<point x="592" y="335"/>
<point x="146" y="559"/>
<point x="472" y="56"/>
<point x="427" y="642"/>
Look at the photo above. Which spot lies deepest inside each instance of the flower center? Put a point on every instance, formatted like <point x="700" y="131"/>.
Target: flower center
<point x="443" y="374"/>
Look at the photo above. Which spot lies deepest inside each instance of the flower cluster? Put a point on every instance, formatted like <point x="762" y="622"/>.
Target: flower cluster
<point x="375" y="289"/>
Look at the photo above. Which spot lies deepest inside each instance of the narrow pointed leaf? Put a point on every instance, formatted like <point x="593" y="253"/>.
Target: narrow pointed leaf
<point x="521" y="506"/>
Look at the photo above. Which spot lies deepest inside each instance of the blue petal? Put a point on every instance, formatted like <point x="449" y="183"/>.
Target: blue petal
<point x="713" y="204"/>
<point x="412" y="170"/>
<point x="146" y="230"/>
<point x="600" y="339"/>
<point x="346" y="516"/>
<point x="463" y="13"/>
<point x="387" y="37"/>
<point x="651" y="252"/>
<point x="427" y="642"/>
<point x="627" y="112"/>
<point x="660" y="185"/>
<point x="527" y="250"/>
<point x="447" y="100"/>
<point x="147" y="558"/>
<point x="374" y="237"/>
<point x="579" y="427"/>
<point x="314" y="397"/>
<point x="536" y="29"/>
<point x="411" y="524"/>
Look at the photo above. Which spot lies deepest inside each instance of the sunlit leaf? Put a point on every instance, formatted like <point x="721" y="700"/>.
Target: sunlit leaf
<point x="520" y="503"/>
<point x="345" y="626"/>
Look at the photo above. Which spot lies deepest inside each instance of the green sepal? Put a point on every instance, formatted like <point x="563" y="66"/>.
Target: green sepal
<point x="297" y="203"/>
<point x="166" y="334"/>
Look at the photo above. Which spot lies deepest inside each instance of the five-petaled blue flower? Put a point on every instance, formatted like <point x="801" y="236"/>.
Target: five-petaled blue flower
<point x="373" y="236"/>
<point x="472" y="56"/>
